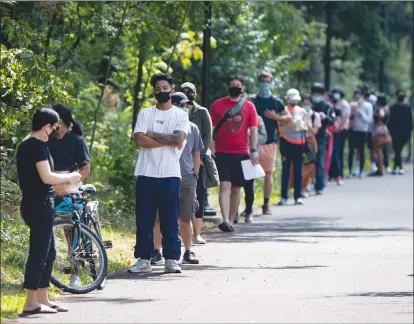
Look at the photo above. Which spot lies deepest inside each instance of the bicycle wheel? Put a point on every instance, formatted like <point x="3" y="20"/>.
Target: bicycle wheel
<point x="80" y="253"/>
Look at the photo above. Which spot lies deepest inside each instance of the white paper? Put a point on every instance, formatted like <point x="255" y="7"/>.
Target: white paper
<point x="180" y="151"/>
<point x="251" y="171"/>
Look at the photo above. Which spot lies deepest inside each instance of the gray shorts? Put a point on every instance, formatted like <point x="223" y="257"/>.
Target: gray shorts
<point x="188" y="197"/>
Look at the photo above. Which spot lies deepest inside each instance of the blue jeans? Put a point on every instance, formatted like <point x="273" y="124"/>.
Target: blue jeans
<point x="291" y="153"/>
<point x="320" y="164"/>
<point x="162" y="194"/>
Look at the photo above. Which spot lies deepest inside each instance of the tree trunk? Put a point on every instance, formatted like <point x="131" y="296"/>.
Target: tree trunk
<point x="206" y="56"/>
<point x="137" y="88"/>
<point x="381" y="75"/>
<point x="328" y="46"/>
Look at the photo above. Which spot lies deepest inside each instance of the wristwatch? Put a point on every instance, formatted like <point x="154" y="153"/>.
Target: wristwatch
<point x="253" y="150"/>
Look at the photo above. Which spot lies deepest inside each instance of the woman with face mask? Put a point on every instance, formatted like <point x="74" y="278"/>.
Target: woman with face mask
<point x="292" y="140"/>
<point x="37" y="180"/>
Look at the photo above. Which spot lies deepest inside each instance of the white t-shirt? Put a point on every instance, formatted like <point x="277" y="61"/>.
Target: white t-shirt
<point x="161" y="162"/>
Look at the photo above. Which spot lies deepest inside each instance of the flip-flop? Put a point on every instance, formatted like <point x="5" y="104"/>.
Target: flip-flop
<point x="39" y="310"/>
<point x="59" y="308"/>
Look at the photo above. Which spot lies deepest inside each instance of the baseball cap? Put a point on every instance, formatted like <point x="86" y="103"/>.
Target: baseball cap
<point x="179" y="98"/>
<point x="293" y="94"/>
<point x="189" y="85"/>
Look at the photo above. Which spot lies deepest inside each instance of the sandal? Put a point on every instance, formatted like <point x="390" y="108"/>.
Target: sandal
<point x="59" y="308"/>
<point x="39" y="310"/>
<point x="226" y="227"/>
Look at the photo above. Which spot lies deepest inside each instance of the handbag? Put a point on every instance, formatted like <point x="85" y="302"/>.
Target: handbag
<point x="233" y="111"/>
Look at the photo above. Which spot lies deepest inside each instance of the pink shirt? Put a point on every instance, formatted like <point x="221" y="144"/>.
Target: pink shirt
<point x="345" y="114"/>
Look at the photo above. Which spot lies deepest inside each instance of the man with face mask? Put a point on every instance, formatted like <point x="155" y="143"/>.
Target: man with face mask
<point x="328" y="117"/>
<point x="201" y="117"/>
<point x="271" y="109"/>
<point x="400" y="126"/>
<point x="233" y="116"/>
<point x="160" y="132"/>
<point x="333" y="162"/>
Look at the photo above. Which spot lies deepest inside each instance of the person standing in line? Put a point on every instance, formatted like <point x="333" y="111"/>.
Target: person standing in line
<point x="190" y="168"/>
<point x="333" y="164"/>
<point x="292" y="141"/>
<point x="233" y="116"/>
<point x="36" y="179"/>
<point x="342" y="134"/>
<point x="271" y="109"/>
<point x="249" y="184"/>
<point x="400" y="126"/>
<point x="201" y="117"/>
<point x="381" y="134"/>
<point x="362" y="112"/>
<point x="160" y="132"/>
<point x="328" y="117"/>
<point x="372" y="99"/>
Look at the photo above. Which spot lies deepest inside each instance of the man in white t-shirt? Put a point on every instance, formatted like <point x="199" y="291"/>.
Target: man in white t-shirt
<point x="160" y="132"/>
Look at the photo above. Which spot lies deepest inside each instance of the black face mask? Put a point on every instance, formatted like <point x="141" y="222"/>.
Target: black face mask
<point x="163" y="97"/>
<point x="235" y="92"/>
<point x="190" y="96"/>
<point x="401" y="98"/>
<point x="54" y="133"/>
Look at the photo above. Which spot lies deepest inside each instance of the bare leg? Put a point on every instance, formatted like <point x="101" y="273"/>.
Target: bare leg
<point x="31" y="300"/>
<point x="224" y="200"/>
<point x="234" y="202"/>
<point x="268" y="185"/>
<point x="197" y="224"/>
<point x="157" y="235"/>
<point x="186" y="231"/>
<point x="380" y="158"/>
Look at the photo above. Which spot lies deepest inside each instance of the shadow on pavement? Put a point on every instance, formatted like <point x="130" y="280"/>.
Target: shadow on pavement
<point x="384" y="294"/>
<point x="86" y="299"/>
<point x="284" y="230"/>
<point x="123" y="274"/>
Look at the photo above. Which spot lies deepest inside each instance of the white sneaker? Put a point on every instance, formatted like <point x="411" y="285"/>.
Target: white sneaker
<point x="141" y="266"/>
<point x="75" y="282"/>
<point x="401" y="171"/>
<point x="305" y="195"/>
<point x="374" y="167"/>
<point x="389" y="170"/>
<point x="282" y="202"/>
<point x="199" y="240"/>
<point x="299" y="201"/>
<point x="171" y="266"/>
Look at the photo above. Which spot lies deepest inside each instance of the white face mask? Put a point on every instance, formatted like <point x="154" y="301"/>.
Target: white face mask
<point x="307" y="107"/>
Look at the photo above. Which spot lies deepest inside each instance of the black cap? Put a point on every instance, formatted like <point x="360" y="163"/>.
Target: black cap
<point x="318" y="88"/>
<point x="179" y="98"/>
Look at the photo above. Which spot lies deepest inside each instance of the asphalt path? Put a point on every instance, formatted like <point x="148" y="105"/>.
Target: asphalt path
<point x="345" y="257"/>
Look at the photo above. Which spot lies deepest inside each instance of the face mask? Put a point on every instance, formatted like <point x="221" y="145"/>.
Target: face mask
<point x="264" y="89"/>
<point x="401" y="98"/>
<point x="317" y="99"/>
<point x="185" y="109"/>
<point x="163" y="97"/>
<point x="292" y="103"/>
<point x="189" y="96"/>
<point x="360" y="100"/>
<point x="54" y="133"/>
<point x="235" y="92"/>
<point x="307" y="107"/>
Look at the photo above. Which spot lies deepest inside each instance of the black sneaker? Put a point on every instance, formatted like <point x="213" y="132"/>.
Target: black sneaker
<point x="190" y="258"/>
<point x="376" y="174"/>
<point x="226" y="227"/>
<point x="156" y="258"/>
<point x="266" y="210"/>
<point x="236" y="218"/>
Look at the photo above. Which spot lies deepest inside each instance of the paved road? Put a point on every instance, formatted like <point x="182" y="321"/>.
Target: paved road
<point x="345" y="257"/>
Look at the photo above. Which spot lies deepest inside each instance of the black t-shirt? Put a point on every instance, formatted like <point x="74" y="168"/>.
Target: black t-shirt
<point x="68" y="150"/>
<point x="401" y="119"/>
<point x="31" y="151"/>
<point x="328" y="110"/>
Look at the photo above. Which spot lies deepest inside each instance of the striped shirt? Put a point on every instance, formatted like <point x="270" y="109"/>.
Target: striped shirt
<point x="161" y="162"/>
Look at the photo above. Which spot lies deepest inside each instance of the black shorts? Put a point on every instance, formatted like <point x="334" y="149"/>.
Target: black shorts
<point x="370" y="141"/>
<point x="230" y="169"/>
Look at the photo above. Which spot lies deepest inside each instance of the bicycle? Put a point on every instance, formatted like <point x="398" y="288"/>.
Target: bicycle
<point x="80" y="250"/>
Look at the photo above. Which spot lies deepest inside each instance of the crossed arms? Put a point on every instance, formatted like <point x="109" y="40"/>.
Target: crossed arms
<point x="154" y="140"/>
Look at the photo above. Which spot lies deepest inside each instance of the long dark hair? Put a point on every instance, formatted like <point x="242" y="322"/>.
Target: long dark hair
<point x="66" y="115"/>
<point x="43" y="117"/>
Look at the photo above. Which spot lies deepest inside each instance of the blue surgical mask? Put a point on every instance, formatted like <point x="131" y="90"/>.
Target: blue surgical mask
<point x="360" y="100"/>
<point x="185" y="109"/>
<point x="264" y="89"/>
<point x="307" y="107"/>
<point x="317" y="99"/>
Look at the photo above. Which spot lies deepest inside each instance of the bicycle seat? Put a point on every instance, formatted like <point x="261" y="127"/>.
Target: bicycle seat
<point x="88" y="188"/>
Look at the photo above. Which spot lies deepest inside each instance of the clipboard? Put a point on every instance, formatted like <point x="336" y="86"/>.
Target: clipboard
<point x="251" y="171"/>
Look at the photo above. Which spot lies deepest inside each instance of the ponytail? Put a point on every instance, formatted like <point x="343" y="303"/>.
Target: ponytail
<point x="76" y="127"/>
